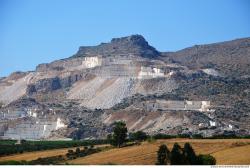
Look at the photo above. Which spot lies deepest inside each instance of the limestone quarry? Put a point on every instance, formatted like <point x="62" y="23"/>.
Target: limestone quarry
<point x="125" y="79"/>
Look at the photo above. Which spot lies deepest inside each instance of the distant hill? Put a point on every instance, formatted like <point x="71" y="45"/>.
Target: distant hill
<point x="202" y="90"/>
<point x="231" y="58"/>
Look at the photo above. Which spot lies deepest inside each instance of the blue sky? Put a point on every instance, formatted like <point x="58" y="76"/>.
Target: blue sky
<point x="39" y="31"/>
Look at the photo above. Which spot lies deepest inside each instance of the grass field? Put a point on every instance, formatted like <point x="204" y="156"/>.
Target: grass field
<point x="234" y="155"/>
<point x="28" y="156"/>
<point x="226" y="151"/>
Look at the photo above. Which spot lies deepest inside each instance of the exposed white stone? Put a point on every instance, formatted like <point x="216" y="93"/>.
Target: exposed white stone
<point x="59" y="124"/>
<point x="171" y="73"/>
<point x="14" y="91"/>
<point x="34" y="115"/>
<point x="149" y="72"/>
<point x="177" y="105"/>
<point x="27" y="129"/>
<point x="201" y="124"/>
<point x="205" y="105"/>
<point x="90" y="62"/>
<point x="211" y="71"/>
<point x="31" y="113"/>
<point x="44" y="129"/>
<point x="212" y="123"/>
<point x="13" y="114"/>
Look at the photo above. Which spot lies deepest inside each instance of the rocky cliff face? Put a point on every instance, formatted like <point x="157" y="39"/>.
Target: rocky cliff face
<point x="132" y="45"/>
<point x="198" y="90"/>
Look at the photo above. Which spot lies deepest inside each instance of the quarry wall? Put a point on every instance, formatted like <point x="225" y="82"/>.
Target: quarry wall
<point x="203" y="106"/>
<point x="27" y="124"/>
<point x="150" y="72"/>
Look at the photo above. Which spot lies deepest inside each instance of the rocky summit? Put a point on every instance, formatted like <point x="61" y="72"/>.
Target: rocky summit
<point x="202" y="90"/>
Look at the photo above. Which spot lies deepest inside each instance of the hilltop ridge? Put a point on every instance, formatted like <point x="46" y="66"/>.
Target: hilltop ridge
<point x="134" y="45"/>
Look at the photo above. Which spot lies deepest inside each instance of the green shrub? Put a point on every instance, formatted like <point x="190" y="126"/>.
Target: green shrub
<point x="206" y="160"/>
<point x="139" y="135"/>
<point x="163" y="136"/>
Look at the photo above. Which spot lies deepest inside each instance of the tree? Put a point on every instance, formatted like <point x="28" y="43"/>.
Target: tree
<point x="163" y="155"/>
<point x="139" y="135"/>
<point x="78" y="151"/>
<point x="185" y="156"/>
<point x="177" y="157"/>
<point x="119" y="134"/>
<point x="110" y="139"/>
<point x="189" y="155"/>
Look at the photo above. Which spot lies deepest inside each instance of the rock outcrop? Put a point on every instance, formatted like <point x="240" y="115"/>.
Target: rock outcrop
<point x="131" y="45"/>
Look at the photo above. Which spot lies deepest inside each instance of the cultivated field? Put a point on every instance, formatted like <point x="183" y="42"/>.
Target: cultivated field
<point x="226" y="151"/>
<point x="28" y="156"/>
<point x="231" y="156"/>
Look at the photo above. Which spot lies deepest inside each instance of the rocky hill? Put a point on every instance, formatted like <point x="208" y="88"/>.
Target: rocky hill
<point x="231" y="58"/>
<point x="199" y="90"/>
<point x="134" y="45"/>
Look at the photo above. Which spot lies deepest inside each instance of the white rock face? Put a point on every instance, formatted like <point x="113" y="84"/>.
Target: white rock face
<point x="212" y="123"/>
<point x="171" y="73"/>
<point x="205" y="105"/>
<point x="211" y="71"/>
<point x="32" y="113"/>
<point x="91" y="62"/>
<point x="44" y="129"/>
<point x="177" y="105"/>
<point x="85" y="90"/>
<point x="10" y="115"/>
<point x="33" y="129"/>
<point x="110" y="93"/>
<point x="59" y="124"/>
<point x="17" y="89"/>
<point x="148" y="72"/>
<point x="201" y="124"/>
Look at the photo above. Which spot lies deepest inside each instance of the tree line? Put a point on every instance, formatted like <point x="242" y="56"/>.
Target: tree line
<point x="182" y="156"/>
<point x="8" y="147"/>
